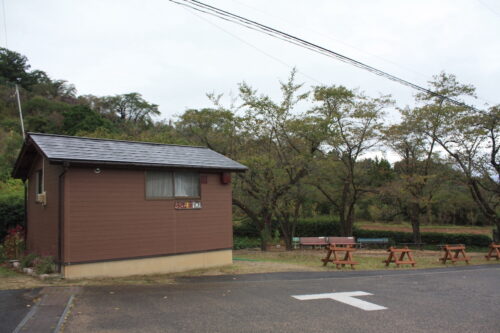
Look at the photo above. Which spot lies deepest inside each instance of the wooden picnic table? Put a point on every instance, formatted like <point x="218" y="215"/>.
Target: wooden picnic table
<point x="452" y="252"/>
<point x="393" y="257"/>
<point x="348" y="248"/>
<point x="494" y="251"/>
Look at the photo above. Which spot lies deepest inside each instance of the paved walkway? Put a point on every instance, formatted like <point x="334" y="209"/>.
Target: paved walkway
<point x="48" y="312"/>
<point x="461" y="299"/>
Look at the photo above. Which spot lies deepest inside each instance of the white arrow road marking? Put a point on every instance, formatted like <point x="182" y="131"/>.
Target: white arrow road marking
<point x="345" y="297"/>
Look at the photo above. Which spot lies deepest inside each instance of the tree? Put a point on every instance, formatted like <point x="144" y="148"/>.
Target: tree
<point x="468" y="136"/>
<point x="80" y="118"/>
<point x="44" y="115"/>
<point x="290" y="207"/>
<point x="351" y="123"/>
<point x="278" y="145"/>
<point x="131" y="108"/>
<point x="14" y="68"/>
<point x="417" y="182"/>
<point x="214" y="128"/>
<point x="59" y="90"/>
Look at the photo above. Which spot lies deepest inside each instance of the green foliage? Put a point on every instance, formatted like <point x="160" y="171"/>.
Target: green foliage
<point x="430" y="238"/>
<point x="28" y="260"/>
<point x="306" y="151"/>
<point x="11" y="205"/>
<point x="44" y="265"/>
<point x="81" y="118"/>
<point x="245" y="228"/>
<point x="43" y="106"/>
<point x="14" y="68"/>
<point x="329" y="226"/>
<point x="245" y="243"/>
<point x="306" y="227"/>
<point x="10" y="142"/>
<point x="130" y="107"/>
<point x="3" y="255"/>
<point x="214" y="128"/>
<point x="318" y="226"/>
<point x="351" y="124"/>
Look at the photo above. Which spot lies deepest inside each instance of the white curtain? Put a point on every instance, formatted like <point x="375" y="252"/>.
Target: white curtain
<point x="159" y="185"/>
<point x="187" y="184"/>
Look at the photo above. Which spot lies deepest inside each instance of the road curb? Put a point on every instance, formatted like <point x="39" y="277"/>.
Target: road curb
<point x="61" y="321"/>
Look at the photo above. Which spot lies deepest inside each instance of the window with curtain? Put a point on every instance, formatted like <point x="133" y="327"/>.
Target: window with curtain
<point x="187" y="184"/>
<point x="159" y="185"/>
<point x="164" y="184"/>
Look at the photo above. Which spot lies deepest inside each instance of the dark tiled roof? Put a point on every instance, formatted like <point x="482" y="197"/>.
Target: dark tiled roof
<point x="80" y="149"/>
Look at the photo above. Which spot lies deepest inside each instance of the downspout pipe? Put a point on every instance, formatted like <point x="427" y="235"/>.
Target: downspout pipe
<point x="61" y="216"/>
<point x="25" y="186"/>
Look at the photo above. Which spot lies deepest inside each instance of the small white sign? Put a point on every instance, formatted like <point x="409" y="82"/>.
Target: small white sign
<point x="346" y="298"/>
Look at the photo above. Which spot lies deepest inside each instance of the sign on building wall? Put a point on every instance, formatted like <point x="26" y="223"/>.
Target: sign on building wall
<point x="189" y="204"/>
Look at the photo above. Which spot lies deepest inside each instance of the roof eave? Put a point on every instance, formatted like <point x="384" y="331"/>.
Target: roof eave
<point x="138" y="164"/>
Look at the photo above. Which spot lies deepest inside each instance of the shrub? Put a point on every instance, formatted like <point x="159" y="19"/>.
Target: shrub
<point x="27" y="260"/>
<point x="329" y="226"/>
<point x="11" y="209"/>
<point x="3" y="257"/>
<point x="14" y="244"/>
<point x="306" y="227"/>
<point x="245" y="243"/>
<point x="317" y="226"/>
<point x="245" y="228"/>
<point x="431" y="238"/>
<point x="44" y="265"/>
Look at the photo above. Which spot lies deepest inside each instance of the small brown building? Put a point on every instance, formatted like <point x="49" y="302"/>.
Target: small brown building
<point x="114" y="208"/>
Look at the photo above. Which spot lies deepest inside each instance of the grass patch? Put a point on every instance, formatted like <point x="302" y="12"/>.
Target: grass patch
<point x="10" y="279"/>
<point x="368" y="259"/>
<point x="246" y="262"/>
<point x="5" y="272"/>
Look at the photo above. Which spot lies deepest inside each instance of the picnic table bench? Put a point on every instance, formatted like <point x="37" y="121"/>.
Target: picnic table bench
<point x="342" y="241"/>
<point x="324" y="241"/>
<point x="373" y="241"/>
<point x="452" y="252"/>
<point x="494" y="251"/>
<point x="400" y="260"/>
<point x="340" y="244"/>
<point x="313" y="241"/>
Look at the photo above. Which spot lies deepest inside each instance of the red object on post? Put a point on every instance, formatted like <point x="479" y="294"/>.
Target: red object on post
<point x="225" y="178"/>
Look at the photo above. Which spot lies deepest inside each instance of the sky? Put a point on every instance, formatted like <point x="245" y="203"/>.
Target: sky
<point x="174" y="56"/>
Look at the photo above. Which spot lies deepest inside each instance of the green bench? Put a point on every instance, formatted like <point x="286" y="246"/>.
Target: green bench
<point x="362" y="242"/>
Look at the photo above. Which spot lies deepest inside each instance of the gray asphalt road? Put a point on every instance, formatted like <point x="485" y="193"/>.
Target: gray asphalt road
<point x="14" y="306"/>
<point x="462" y="299"/>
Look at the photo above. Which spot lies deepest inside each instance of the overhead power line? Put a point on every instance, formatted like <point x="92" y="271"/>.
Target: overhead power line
<point x="258" y="49"/>
<point x="253" y="25"/>
<point x="489" y="8"/>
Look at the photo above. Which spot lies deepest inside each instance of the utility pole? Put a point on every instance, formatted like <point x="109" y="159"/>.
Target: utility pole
<point x="20" y="110"/>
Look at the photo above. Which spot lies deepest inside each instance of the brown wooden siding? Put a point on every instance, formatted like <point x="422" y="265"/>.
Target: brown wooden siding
<point x="43" y="220"/>
<point x="108" y="217"/>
